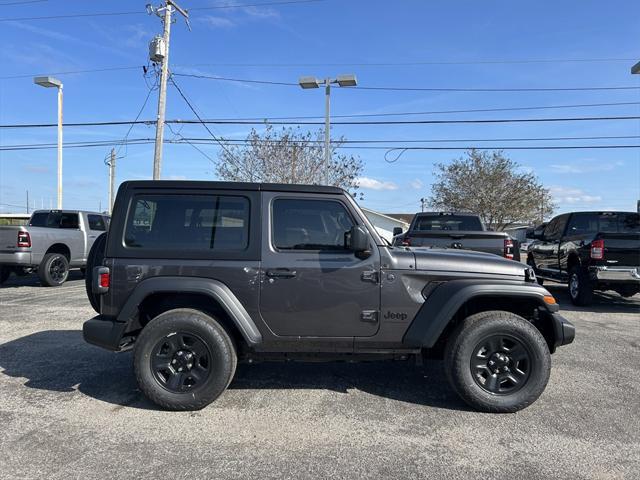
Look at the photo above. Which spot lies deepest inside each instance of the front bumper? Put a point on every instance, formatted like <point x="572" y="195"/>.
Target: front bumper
<point x="104" y="332"/>
<point x="617" y="274"/>
<point x="15" y="259"/>
<point x="563" y="329"/>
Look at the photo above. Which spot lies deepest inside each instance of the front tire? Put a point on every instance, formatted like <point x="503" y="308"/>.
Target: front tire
<point x="53" y="270"/>
<point x="580" y="287"/>
<point x="184" y="359"/>
<point x="497" y="362"/>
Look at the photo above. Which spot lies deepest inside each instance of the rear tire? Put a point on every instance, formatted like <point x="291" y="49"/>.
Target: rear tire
<point x="580" y="286"/>
<point x="4" y="274"/>
<point x="95" y="259"/>
<point x="53" y="270"/>
<point x="184" y="359"/>
<point x="497" y="362"/>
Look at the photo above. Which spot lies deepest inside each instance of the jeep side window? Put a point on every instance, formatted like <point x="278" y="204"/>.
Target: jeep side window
<point x="310" y="224"/>
<point x="188" y="222"/>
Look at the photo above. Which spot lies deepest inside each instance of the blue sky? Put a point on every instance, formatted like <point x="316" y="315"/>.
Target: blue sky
<point x="327" y="38"/>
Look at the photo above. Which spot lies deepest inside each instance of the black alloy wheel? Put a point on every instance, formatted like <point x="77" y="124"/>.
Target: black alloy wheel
<point x="181" y="362"/>
<point x="58" y="270"/>
<point x="500" y="364"/>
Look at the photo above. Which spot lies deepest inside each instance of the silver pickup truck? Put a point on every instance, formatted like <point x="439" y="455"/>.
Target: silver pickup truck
<point x="53" y="242"/>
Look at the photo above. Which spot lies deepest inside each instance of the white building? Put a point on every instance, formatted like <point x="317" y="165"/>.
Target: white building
<point x="384" y="224"/>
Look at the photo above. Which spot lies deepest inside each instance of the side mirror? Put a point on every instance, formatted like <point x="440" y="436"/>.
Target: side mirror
<point x="397" y="231"/>
<point x="358" y="241"/>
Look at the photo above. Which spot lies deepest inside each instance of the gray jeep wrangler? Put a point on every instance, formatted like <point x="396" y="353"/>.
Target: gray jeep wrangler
<point x="195" y="276"/>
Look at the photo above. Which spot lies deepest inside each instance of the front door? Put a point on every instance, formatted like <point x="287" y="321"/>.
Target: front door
<point x="312" y="286"/>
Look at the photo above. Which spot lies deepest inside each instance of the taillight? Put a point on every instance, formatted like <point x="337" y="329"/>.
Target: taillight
<point x="105" y="280"/>
<point x="406" y="242"/>
<point x="597" y="249"/>
<point x="24" y="239"/>
<point x="508" y="248"/>
<point x="101" y="280"/>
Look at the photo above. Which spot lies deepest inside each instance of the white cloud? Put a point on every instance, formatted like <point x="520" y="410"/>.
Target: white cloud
<point x="573" y="195"/>
<point x="373" y="184"/>
<point x="416" y="184"/>
<point x="585" y="167"/>
<point x="217" y="22"/>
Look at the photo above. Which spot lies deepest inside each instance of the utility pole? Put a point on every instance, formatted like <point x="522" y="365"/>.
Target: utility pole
<point x="27" y="202"/>
<point x="112" y="178"/>
<point x="159" y="52"/>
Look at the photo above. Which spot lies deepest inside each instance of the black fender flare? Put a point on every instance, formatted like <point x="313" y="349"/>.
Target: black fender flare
<point x="214" y="289"/>
<point x="440" y="307"/>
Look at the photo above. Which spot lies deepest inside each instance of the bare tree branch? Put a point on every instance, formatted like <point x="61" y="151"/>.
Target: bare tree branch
<point x="494" y="187"/>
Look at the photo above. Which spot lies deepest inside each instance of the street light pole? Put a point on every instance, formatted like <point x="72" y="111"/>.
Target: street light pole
<point x="60" y="147"/>
<point x="312" y="82"/>
<point x="327" y="130"/>
<point x="49" y="82"/>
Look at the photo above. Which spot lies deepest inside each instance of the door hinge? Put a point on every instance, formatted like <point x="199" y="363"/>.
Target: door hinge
<point x="369" y="276"/>
<point x="369" y="316"/>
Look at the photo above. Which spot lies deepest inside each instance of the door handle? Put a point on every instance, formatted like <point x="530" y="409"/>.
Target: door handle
<point x="281" y="273"/>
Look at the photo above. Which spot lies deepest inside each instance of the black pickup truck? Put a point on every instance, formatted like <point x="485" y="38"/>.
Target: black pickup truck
<point x="589" y="251"/>
<point x="456" y="230"/>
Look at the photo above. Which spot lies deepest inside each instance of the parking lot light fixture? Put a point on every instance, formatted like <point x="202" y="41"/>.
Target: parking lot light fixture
<point x="50" y="82"/>
<point x="348" y="80"/>
<point x="636" y="69"/>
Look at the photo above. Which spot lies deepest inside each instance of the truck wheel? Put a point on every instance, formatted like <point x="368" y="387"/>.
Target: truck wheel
<point x="4" y="274"/>
<point x="532" y="264"/>
<point x="580" y="286"/>
<point x="184" y="359"/>
<point x="94" y="259"/>
<point x="53" y="270"/>
<point x="497" y="362"/>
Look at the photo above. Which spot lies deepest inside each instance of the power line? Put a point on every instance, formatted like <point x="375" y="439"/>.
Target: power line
<point x="137" y="12"/>
<point x="179" y="136"/>
<point x="71" y="72"/>
<point x="209" y="141"/>
<point x="361" y="122"/>
<point x="192" y="108"/>
<point x="420" y="89"/>
<point x="144" y="104"/>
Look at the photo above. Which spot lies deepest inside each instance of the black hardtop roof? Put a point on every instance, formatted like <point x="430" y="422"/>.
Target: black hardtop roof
<point x="206" y="185"/>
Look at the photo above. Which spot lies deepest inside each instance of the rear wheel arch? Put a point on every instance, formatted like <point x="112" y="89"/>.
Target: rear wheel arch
<point x="573" y="261"/>
<point x="159" y="294"/>
<point x="60" y="248"/>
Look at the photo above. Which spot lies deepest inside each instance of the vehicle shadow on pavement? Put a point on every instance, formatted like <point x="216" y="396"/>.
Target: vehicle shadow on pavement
<point x="603" y="302"/>
<point x="32" y="280"/>
<point x="60" y="361"/>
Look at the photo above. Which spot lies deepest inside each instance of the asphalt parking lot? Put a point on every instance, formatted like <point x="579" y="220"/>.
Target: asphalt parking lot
<point x="68" y="409"/>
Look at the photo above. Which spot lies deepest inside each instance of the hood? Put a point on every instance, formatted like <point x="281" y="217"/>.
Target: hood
<point x="466" y="261"/>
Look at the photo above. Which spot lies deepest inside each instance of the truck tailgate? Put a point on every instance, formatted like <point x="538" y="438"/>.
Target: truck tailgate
<point x="9" y="238"/>
<point x="621" y="249"/>
<point x="489" y="242"/>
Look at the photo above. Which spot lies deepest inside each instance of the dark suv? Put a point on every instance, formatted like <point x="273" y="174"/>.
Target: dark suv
<point x="198" y="275"/>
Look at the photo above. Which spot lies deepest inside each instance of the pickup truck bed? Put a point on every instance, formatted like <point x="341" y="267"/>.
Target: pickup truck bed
<point x="457" y="230"/>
